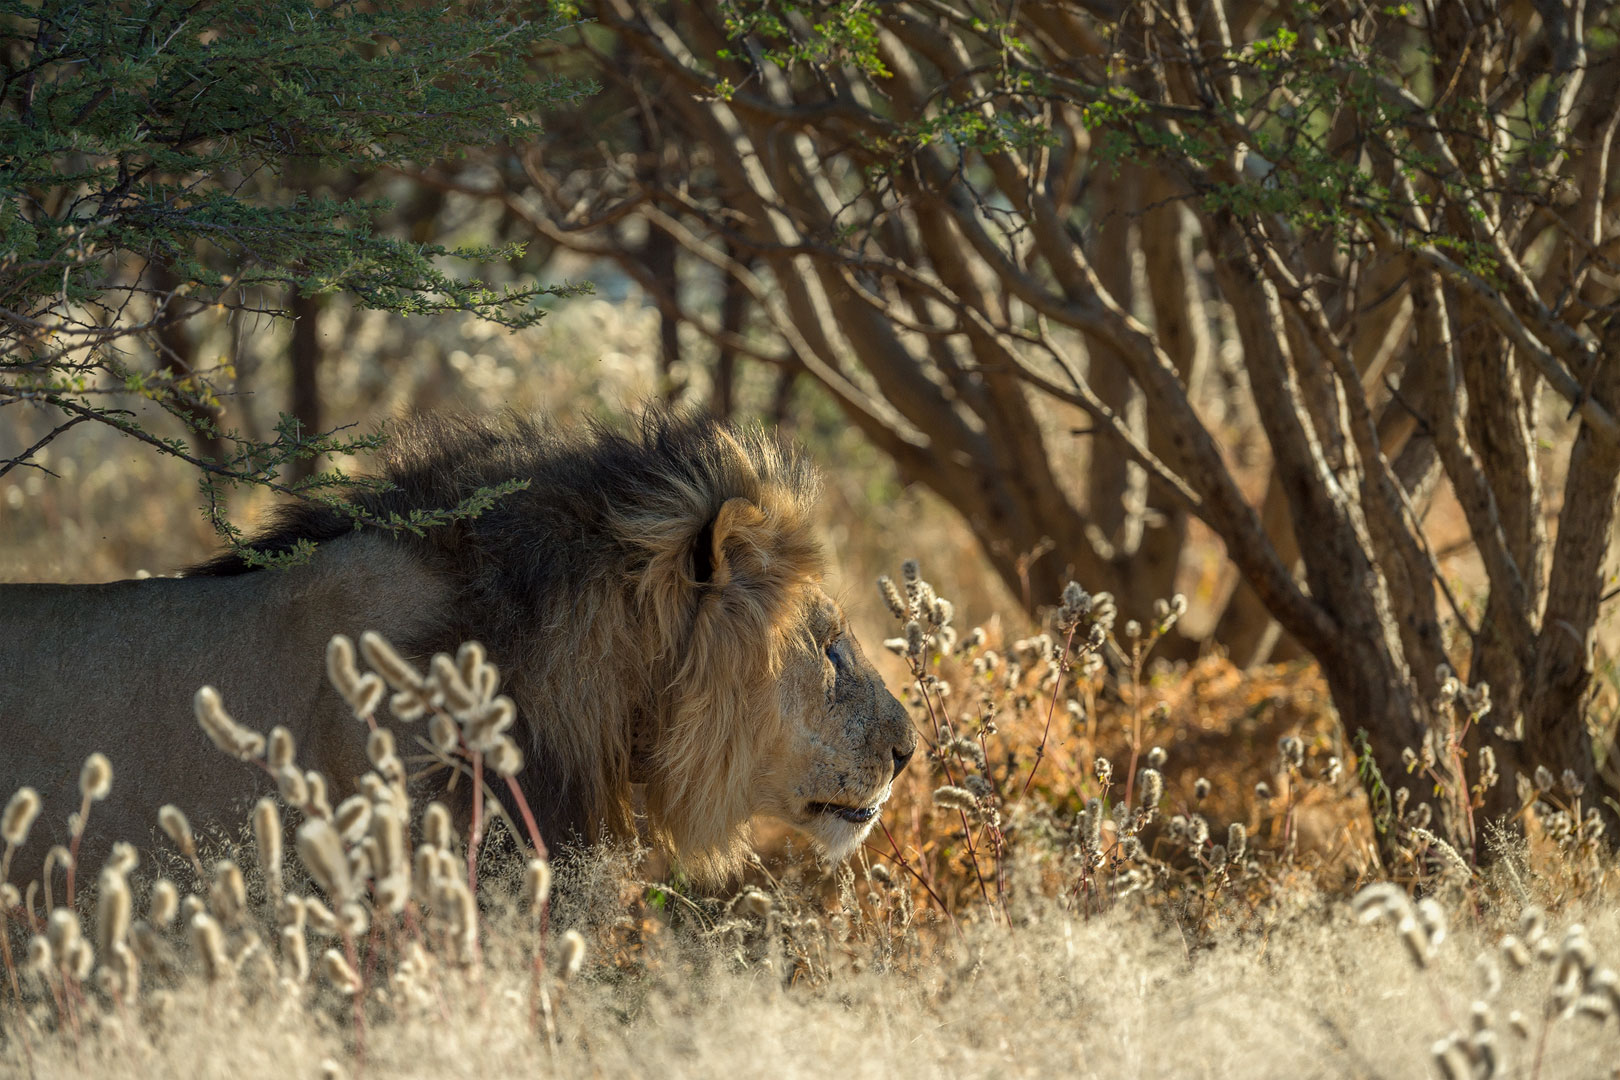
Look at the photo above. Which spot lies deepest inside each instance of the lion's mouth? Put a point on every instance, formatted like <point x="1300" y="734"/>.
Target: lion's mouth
<point x="855" y="815"/>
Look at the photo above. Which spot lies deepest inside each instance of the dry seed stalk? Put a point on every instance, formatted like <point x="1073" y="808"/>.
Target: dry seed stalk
<point x="267" y="837"/>
<point x="95" y="781"/>
<point x="178" y="829"/>
<point x="21" y="811"/>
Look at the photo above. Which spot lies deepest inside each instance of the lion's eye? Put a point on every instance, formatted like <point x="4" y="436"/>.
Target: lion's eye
<point x="833" y="652"/>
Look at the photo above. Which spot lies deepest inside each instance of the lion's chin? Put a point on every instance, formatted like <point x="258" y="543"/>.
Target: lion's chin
<point x="839" y="829"/>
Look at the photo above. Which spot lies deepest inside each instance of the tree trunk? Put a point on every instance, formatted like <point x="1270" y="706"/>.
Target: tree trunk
<point x="733" y="308"/>
<point x="1552" y="707"/>
<point x="177" y="350"/>
<point x="304" y="359"/>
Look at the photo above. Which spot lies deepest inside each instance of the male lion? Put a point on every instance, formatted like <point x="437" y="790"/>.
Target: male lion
<point x="653" y="600"/>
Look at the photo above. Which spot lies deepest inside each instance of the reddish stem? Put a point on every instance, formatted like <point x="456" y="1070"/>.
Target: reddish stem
<point x="73" y="846"/>
<point x="528" y="817"/>
<point x="5" y="950"/>
<point x="967" y="827"/>
<point x="539" y="1001"/>
<point x="900" y="860"/>
<point x="477" y="834"/>
<point x="1040" y="751"/>
<point x="358" y="1001"/>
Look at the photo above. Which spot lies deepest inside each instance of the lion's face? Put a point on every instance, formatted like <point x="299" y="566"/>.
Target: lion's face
<point x="843" y="737"/>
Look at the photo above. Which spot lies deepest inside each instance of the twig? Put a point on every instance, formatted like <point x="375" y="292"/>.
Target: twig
<point x="900" y="860"/>
<point x="22" y="458"/>
<point x="1063" y="665"/>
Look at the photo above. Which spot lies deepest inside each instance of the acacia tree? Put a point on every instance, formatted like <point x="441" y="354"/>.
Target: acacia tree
<point x="143" y="145"/>
<point x="1375" y="243"/>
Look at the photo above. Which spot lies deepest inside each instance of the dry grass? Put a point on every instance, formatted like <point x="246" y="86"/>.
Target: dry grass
<point x="1016" y="925"/>
<point x="1118" y="994"/>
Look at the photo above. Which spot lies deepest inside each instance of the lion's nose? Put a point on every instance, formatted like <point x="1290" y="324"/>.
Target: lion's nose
<point x="900" y="758"/>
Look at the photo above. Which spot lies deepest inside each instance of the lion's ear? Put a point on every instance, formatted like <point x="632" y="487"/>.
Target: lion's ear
<point x="711" y="562"/>
<point x="745" y="548"/>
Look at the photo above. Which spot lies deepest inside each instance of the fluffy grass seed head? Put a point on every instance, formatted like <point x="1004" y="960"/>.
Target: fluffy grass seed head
<point x="1292" y="751"/>
<point x="753" y="902"/>
<point x="1333" y="771"/>
<point x="164" y="903"/>
<point x="353" y="818"/>
<point x="113" y="912"/>
<point x="1197" y="830"/>
<point x="291" y="786"/>
<point x="459" y="696"/>
<point x="41" y="960"/>
<point x="471" y="662"/>
<point x="363" y="692"/>
<point x="339" y="972"/>
<point x="63" y="931"/>
<point x="380" y="743"/>
<point x="461" y="910"/>
<point x="316" y="803"/>
<point x="1091" y="824"/>
<point x="231" y="737"/>
<point x="295" y="953"/>
<point x="341" y="671"/>
<point x="506" y="759"/>
<point x="916" y="639"/>
<point x="443" y="733"/>
<point x="951" y="797"/>
<point x="227" y="894"/>
<point x="1076" y="605"/>
<point x="1449" y="856"/>
<point x="491" y="722"/>
<point x="393" y="868"/>
<point x="321" y="850"/>
<point x="1152" y="785"/>
<point x="178" y="829"/>
<point x="281" y="748"/>
<point x="82" y="960"/>
<point x="19" y="816"/>
<point x="209" y="942"/>
<point x="320" y="918"/>
<point x="267" y="843"/>
<point x="413" y="696"/>
<point x="354" y="920"/>
<point x="573" y="954"/>
<point x="123" y="858"/>
<point x="1573" y="784"/>
<point x="361" y="867"/>
<point x="1410" y="930"/>
<point x="95" y="779"/>
<point x="436" y="829"/>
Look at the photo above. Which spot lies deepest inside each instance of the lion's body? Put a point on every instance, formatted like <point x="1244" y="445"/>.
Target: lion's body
<point x="114" y="668"/>
<point x="653" y="602"/>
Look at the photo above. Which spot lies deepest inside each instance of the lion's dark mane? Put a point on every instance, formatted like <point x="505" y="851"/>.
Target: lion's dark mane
<point x="602" y="510"/>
